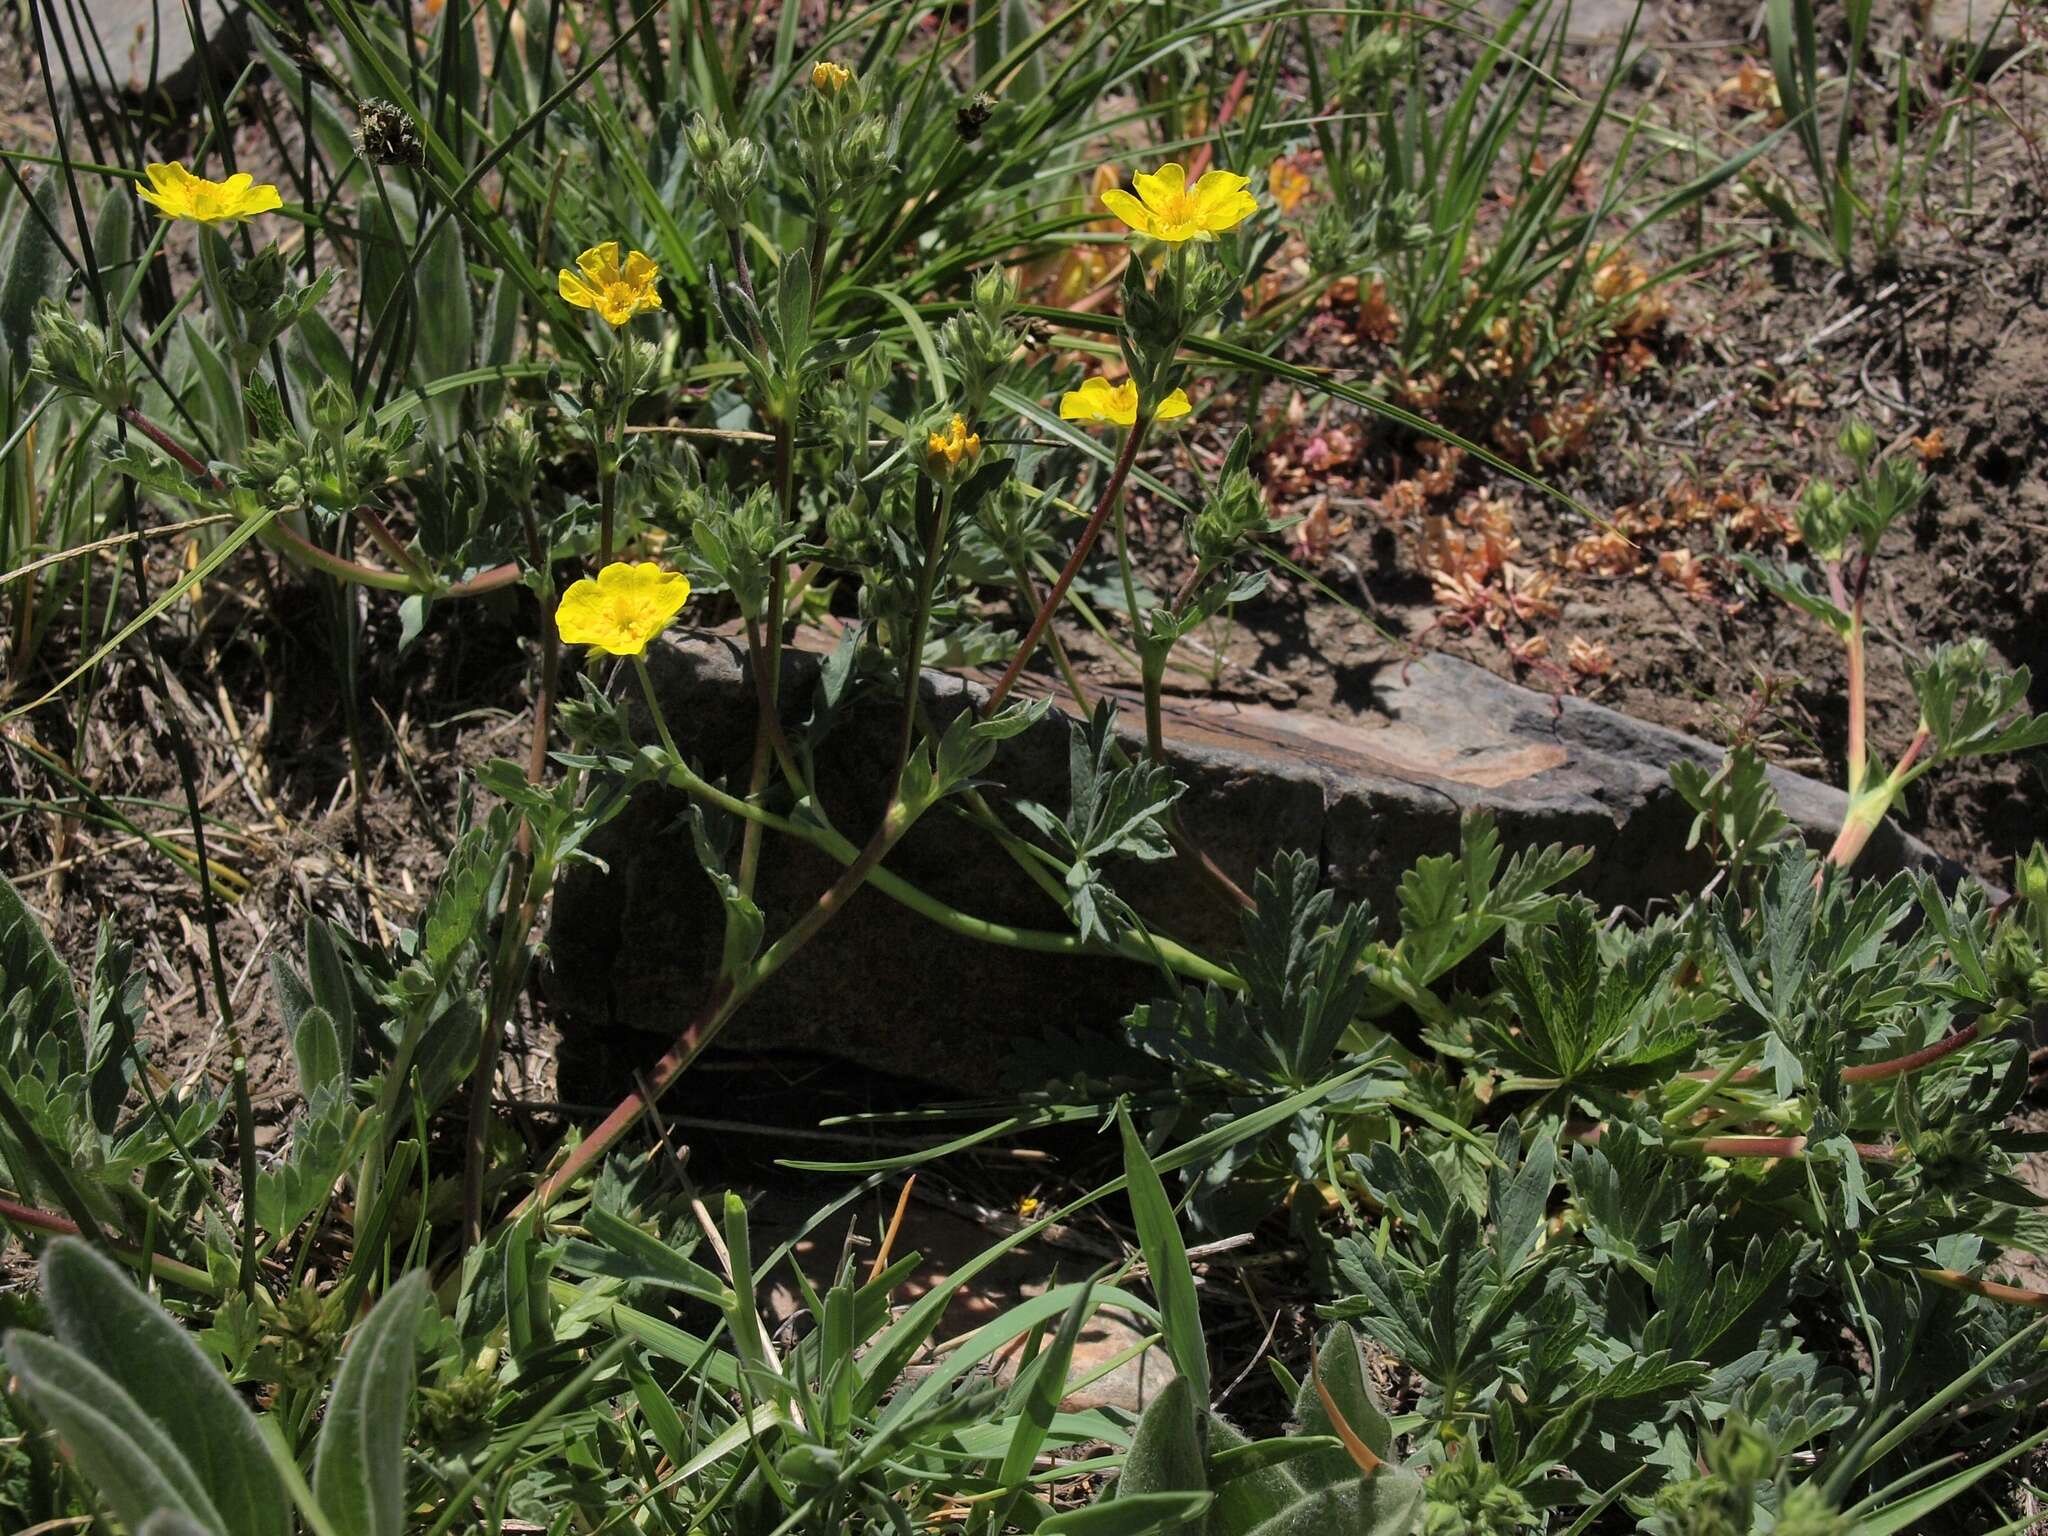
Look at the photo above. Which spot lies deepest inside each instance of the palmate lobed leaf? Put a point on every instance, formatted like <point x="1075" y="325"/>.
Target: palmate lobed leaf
<point x="1578" y="1013"/>
<point x="1451" y="904"/>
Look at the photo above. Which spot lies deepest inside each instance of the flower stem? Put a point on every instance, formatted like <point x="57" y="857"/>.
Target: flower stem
<point x="927" y="586"/>
<point x="766" y="657"/>
<point x="608" y="484"/>
<point x="719" y="1008"/>
<point x="523" y="896"/>
<point x="1990" y="1290"/>
<point x="37" y="1220"/>
<point x="1110" y="493"/>
<point x="1912" y="1061"/>
<point x="1034" y="940"/>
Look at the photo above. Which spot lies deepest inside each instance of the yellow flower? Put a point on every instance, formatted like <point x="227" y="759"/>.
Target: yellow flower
<point x="177" y="194"/>
<point x="1099" y="400"/>
<point x="945" y="450"/>
<point x="623" y="609"/>
<point x="829" y="77"/>
<point x="616" y="292"/>
<point x="1167" y="208"/>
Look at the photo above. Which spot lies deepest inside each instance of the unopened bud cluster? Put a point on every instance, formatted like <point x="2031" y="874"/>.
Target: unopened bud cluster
<point x="78" y="359"/>
<point x="728" y="169"/>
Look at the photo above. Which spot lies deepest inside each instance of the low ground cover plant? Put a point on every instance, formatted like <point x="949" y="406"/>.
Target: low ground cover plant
<point x="1689" y="1222"/>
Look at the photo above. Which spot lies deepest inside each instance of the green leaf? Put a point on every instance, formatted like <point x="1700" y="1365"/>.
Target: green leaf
<point x="1166" y="1257"/>
<point x="359" y="1468"/>
<point x="1166" y="1450"/>
<point x="744" y="924"/>
<point x="29" y="968"/>
<point x="1113" y="810"/>
<point x="1787" y="583"/>
<point x="1340" y="1365"/>
<point x="1388" y="1503"/>
<point x="1974" y="708"/>
<point x="124" y="1456"/>
<point x="99" y="1314"/>
<point x="1450" y="903"/>
<point x="1047" y="1388"/>
<point x="328" y="979"/>
<point x="630" y="1253"/>
<point x="447" y="326"/>
<point x="1254" y="1480"/>
<point x="1736" y="803"/>
<point x="1144" y="1514"/>
<point x="1575" y="1012"/>
<point x="1302" y="971"/>
<point x="316" y="1050"/>
<point x="1044" y="1385"/>
<point x="32" y="270"/>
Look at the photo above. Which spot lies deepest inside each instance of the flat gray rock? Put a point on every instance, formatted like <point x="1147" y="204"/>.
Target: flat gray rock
<point x="634" y="947"/>
<point x="1591" y="23"/>
<point x="140" y="48"/>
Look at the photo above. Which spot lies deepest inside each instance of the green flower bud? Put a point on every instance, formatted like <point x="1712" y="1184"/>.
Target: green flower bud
<point x="1823" y="518"/>
<point x="332" y="408"/>
<point x="1741" y="1454"/>
<point x="625" y="374"/>
<point x="78" y="359"/>
<point x="728" y="169"/>
<point x="512" y="457"/>
<point x="995" y="294"/>
<point x="1858" y="441"/>
<point x="254" y="285"/>
<point x="267" y="464"/>
<point x="1374" y="58"/>
<point x="2030" y="878"/>
<point x="1806" y="1512"/>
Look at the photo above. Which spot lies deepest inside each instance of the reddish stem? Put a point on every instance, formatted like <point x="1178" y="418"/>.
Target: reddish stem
<point x="39" y="1220"/>
<point x="496" y="579"/>
<point x="717" y="1009"/>
<point x="390" y="542"/>
<point x="1870" y="1071"/>
<point x="1781" y="1146"/>
<point x="1089" y="535"/>
<point x="1990" y="1290"/>
<point x="170" y="445"/>
<point x="1912" y="1061"/>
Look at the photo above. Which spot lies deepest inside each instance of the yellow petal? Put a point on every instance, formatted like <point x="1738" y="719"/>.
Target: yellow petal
<point x="640" y="269"/>
<point x="623" y="609"/>
<point x="1175" y="404"/>
<point x="600" y="263"/>
<point x="1087" y="403"/>
<point x="1163" y="187"/>
<point x="263" y="199"/>
<point x="1229" y="214"/>
<point x="1129" y="209"/>
<point x="1217" y="186"/>
<point x="575" y="290"/>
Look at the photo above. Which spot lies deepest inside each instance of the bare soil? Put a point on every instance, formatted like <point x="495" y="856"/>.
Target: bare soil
<point x="1684" y="446"/>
